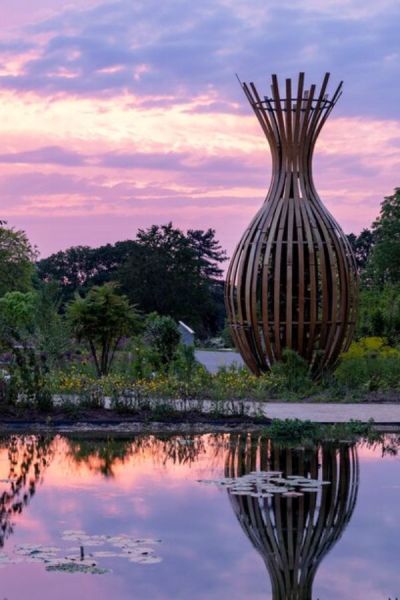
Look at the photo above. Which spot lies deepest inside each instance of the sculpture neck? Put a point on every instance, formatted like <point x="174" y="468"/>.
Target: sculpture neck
<point x="291" y="124"/>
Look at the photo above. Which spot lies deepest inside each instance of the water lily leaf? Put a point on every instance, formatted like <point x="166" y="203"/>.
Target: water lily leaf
<point x="67" y="567"/>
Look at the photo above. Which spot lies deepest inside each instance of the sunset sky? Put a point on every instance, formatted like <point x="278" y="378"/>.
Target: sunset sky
<point x="117" y="114"/>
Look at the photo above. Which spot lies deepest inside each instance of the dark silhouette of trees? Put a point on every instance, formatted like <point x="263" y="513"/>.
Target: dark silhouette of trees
<point x="175" y="274"/>
<point x="81" y="267"/>
<point x="163" y="270"/>
<point x="362" y="245"/>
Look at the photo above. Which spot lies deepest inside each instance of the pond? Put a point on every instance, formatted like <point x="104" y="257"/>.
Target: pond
<point x="227" y="516"/>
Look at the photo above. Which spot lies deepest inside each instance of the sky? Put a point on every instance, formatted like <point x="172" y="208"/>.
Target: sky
<point x="118" y="114"/>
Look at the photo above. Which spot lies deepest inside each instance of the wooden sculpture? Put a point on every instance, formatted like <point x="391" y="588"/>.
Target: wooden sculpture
<point x="293" y="534"/>
<point x="292" y="280"/>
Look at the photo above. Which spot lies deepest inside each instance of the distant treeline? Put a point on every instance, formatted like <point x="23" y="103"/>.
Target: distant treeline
<point x="162" y="270"/>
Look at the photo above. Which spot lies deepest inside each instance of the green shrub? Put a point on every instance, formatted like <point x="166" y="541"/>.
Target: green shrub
<point x="290" y="376"/>
<point x="162" y="336"/>
<point x="370" y="364"/>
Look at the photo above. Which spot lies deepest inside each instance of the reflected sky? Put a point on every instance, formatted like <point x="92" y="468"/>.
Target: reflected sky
<point x="148" y="488"/>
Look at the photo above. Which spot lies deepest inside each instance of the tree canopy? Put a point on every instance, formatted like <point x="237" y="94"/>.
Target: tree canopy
<point x="384" y="263"/>
<point x="174" y="274"/>
<point x="362" y="245"/>
<point x="81" y="267"/>
<point x="17" y="258"/>
<point x="162" y="270"/>
<point x="101" y="319"/>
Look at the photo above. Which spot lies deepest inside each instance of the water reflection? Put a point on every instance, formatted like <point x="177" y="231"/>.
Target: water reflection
<point x="28" y="458"/>
<point x="102" y="455"/>
<point x="293" y="534"/>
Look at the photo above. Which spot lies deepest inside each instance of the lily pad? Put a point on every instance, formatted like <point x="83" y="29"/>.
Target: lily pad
<point x="67" y="567"/>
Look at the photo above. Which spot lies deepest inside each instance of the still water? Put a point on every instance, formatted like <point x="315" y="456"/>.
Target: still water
<point x="197" y="517"/>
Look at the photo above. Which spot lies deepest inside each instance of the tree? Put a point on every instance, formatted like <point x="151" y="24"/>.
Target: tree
<point x="379" y="312"/>
<point x="79" y="268"/>
<point x="208" y="251"/>
<point x="17" y="331"/>
<point x="162" y="335"/>
<point x="162" y="270"/>
<point x="384" y="262"/>
<point x="175" y="274"/>
<point x="16" y="260"/>
<point x="102" y="319"/>
<point x="52" y="329"/>
<point x="362" y="246"/>
<point x="17" y="317"/>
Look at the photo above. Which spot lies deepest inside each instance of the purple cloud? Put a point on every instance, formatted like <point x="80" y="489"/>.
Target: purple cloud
<point x="51" y="155"/>
<point x="191" y="49"/>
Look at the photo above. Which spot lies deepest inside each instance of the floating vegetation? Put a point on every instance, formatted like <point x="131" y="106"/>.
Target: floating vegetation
<point x="265" y="484"/>
<point x="77" y="568"/>
<point x="78" y="559"/>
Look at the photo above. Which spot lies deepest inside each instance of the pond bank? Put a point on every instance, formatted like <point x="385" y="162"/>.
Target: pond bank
<point x="385" y="416"/>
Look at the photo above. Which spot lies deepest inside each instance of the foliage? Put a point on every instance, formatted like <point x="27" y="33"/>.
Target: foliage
<point x="384" y="262"/>
<point x="79" y="268"/>
<point x="162" y="336"/>
<point x="379" y="312"/>
<point x="102" y="319"/>
<point x="163" y="270"/>
<point x="28" y="382"/>
<point x="290" y="376"/>
<point x="16" y="260"/>
<point x="28" y="369"/>
<point x="17" y="313"/>
<point x="185" y="379"/>
<point x="289" y="432"/>
<point x="174" y="274"/>
<point x="184" y="365"/>
<point x="226" y="336"/>
<point x="362" y="245"/>
<point x="53" y="333"/>
<point x="370" y="364"/>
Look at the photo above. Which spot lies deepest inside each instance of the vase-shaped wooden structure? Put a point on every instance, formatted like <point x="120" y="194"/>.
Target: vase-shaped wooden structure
<point x="292" y="280"/>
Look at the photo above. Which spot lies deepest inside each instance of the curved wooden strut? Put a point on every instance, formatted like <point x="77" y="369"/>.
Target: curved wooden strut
<point x="292" y="281"/>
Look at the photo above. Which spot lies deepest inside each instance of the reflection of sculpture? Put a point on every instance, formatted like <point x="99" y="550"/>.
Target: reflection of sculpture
<point x="293" y="534"/>
<point x="292" y="279"/>
<point x="29" y="456"/>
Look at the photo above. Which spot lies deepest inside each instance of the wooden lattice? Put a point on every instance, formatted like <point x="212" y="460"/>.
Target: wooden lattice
<point x="293" y="534"/>
<point x="292" y="280"/>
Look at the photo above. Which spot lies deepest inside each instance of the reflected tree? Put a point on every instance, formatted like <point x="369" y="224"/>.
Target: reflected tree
<point x="101" y="455"/>
<point x="293" y="534"/>
<point x="28" y="457"/>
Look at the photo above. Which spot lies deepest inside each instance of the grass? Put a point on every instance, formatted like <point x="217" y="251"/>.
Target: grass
<point x="294" y="432"/>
